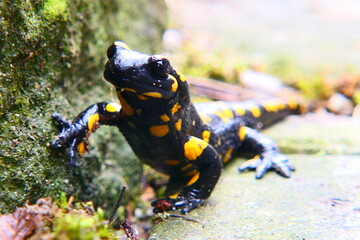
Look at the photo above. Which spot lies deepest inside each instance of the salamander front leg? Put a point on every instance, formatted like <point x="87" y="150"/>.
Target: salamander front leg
<point x="74" y="135"/>
<point x="202" y="180"/>
<point x="267" y="156"/>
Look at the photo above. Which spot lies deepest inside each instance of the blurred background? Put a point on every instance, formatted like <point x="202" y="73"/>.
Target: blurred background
<point x="312" y="45"/>
<point x="313" y="33"/>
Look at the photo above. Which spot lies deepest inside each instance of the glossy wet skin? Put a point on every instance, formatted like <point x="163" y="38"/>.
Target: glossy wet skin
<point x="168" y="132"/>
<point x="128" y="69"/>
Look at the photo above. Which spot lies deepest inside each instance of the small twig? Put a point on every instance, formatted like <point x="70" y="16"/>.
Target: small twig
<point x="70" y="202"/>
<point x="117" y="205"/>
<point x="128" y="230"/>
<point x="182" y="217"/>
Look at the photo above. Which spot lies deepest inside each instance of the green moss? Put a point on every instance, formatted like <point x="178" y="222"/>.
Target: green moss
<point x="56" y="8"/>
<point x="53" y="53"/>
<point x="315" y="86"/>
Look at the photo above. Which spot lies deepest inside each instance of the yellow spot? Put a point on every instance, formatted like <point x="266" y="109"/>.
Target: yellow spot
<point x="255" y="110"/>
<point x="193" y="179"/>
<point x="302" y="108"/>
<point x="205" y="118"/>
<point x="191" y="173"/>
<point x="225" y="115"/>
<point x="159" y="130"/>
<point x="153" y="94"/>
<point x="141" y="97"/>
<point x="194" y="148"/>
<point x="172" y="162"/>
<point x="242" y="133"/>
<point x="274" y="106"/>
<point x="93" y="122"/>
<point x="121" y="44"/>
<point x="281" y="105"/>
<point x="112" y="107"/>
<point x="174" y="86"/>
<point x="228" y="154"/>
<point x="178" y="124"/>
<point x="132" y="125"/>
<point x="182" y="77"/>
<point x="292" y="104"/>
<point x="165" y="118"/>
<point x="175" y="108"/>
<point x="126" y="108"/>
<point x="82" y="148"/>
<point x="175" y="195"/>
<point x="206" y="135"/>
<point x="130" y="90"/>
<point x="240" y="111"/>
<point x="270" y="107"/>
<point x="186" y="167"/>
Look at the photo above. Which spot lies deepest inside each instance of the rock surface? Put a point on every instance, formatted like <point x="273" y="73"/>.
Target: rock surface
<point x="53" y="54"/>
<point x="320" y="200"/>
<point x="320" y="133"/>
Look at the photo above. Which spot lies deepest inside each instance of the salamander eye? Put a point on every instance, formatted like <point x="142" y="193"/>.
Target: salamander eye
<point x="159" y="65"/>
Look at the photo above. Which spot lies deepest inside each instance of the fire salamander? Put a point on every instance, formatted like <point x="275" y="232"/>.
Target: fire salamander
<point x="189" y="142"/>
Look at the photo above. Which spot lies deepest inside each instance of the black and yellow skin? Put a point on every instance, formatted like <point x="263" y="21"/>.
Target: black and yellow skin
<point x="188" y="142"/>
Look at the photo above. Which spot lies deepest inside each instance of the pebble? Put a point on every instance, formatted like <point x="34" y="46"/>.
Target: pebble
<point x="340" y="104"/>
<point x="261" y="82"/>
<point x="172" y="39"/>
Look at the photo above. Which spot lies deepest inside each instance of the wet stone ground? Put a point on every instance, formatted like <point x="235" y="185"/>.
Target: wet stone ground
<point x="320" y="201"/>
<point x="322" y="198"/>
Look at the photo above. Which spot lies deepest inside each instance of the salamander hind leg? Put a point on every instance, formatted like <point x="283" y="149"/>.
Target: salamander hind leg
<point x="267" y="155"/>
<point x="204" y="172"/>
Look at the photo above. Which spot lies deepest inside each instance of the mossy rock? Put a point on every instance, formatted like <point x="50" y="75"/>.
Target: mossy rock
<point x="52" y="54"/>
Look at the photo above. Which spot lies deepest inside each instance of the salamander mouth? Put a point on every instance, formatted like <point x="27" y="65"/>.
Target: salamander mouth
<point x="138" y="81"/>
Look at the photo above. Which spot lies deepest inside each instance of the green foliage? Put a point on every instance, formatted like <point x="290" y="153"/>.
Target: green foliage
<point x="61" y="201"/>
<point x="357" y="97"/>
<point x="313" y="84"/>
<point x="315" y="87"/>
<point x="79" y="224"/>
<point x="53" y="53"/>
<point x="208" y="64"/>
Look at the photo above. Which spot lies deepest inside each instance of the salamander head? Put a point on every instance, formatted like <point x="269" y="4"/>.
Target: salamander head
<point x="150" y="76"/>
